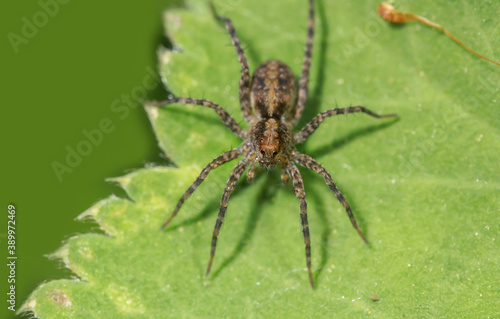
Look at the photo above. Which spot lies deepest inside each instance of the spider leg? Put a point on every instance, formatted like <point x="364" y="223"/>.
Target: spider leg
<point x="298" y="185"/>
<point x="227" y="119"/>
<point x="310" y="163"/>
<point x="284" y="176"/>
<point x="251" y="171"/>
<point x="246" y="109"/>
<point x="220" y="160"/>
<point x="310" y="127"/>
<point x="233" y="179"/>
<point x="304" y="77"/>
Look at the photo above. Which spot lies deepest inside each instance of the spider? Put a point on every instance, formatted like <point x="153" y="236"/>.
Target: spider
<point x="271" y="106"/>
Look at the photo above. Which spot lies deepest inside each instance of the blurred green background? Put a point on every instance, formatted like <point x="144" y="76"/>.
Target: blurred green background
<point x="62" y="76"/>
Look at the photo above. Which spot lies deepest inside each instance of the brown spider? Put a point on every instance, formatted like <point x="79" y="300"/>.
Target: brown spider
<point x="271" y="107"/>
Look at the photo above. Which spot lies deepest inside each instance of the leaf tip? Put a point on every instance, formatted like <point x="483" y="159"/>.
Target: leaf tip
<point x="90" y="213"/>
<point x="28" y="308"/>
<point x="164" y="56"/>
<point x="61" y="253"/>
<point x="152" y="112"/>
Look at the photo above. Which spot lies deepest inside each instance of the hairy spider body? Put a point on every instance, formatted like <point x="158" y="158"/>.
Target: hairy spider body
<point x="271" y="106"/>
<point x="272" y="97"/>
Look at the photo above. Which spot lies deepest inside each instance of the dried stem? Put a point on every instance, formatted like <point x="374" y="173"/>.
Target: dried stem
<point x="388" y="13"/>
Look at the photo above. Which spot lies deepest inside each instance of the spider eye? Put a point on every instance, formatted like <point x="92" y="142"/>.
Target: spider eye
<point x="262" y="152"/>
<point x="275" y="153"/>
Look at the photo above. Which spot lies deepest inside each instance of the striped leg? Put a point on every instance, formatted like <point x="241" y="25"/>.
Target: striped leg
<point x="227" y="119"/>
<point x="222" y="159"/>
<point x="310" y="127"/>
<point x="310" y="163"/>
<point x="298" y="185"/>
<point x="304" y="77"/>
<point x="233" y="179"/>
<point x="284" y="176"/>
<point x="246" y="109"/>
<point x="251" y="171"/>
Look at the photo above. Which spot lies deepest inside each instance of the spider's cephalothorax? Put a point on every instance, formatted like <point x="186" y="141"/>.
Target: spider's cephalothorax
<point x="271" y="106"/>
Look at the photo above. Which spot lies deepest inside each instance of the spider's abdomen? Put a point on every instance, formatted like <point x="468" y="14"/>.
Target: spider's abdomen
<point x="273" y="91"/>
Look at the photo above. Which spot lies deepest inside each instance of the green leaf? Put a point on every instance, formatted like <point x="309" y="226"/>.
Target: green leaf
<point x="425" y="188"/>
